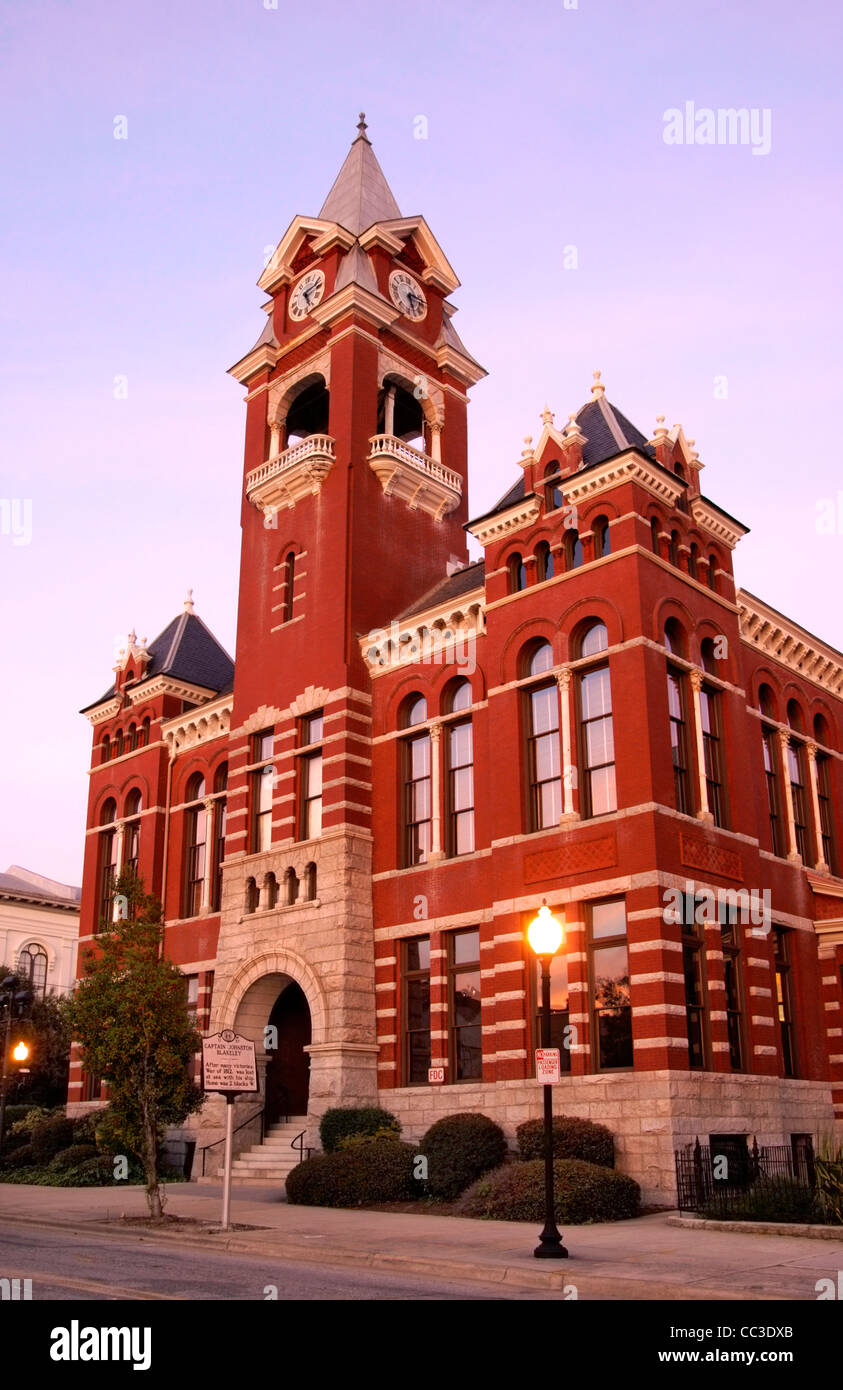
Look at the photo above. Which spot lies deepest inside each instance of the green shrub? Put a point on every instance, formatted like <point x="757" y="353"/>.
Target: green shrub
<point x="50" y="1136"/>
<point x="378" y="1172"/>
<point x="458" y="1149"/>
<point x="572" y="1138"/>
<point x="22" y="1157"/>
<point x="354" y="1141"/>
<point x="93" y="1172"/>
<point x="13" y="1141"/>
<point x="584" y="1192"/>
<point x="828" y="1165"/>
<point x="344" y="1121"/>
<point x="72" y="1157"/>
<point x="774" y="1199"/>
<point x="14" y="1115"/>
<point x="33" y="1115"/>
<point x="85" y="1129"/>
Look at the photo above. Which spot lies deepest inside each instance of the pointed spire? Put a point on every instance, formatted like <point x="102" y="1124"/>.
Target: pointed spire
<point x="360" y="194"/>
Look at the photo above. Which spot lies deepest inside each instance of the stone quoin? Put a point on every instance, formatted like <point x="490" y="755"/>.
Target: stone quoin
<point x="350" y="828"/>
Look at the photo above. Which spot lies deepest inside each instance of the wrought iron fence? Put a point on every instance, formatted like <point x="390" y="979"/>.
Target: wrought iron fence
<point x="719" y="1180"/>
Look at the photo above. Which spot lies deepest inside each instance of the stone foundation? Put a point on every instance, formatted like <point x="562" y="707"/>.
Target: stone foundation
<point x="650" y="1114"/>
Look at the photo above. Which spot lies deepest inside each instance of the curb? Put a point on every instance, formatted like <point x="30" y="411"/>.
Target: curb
<point x="758" y="1228"/>
<point x="595" y="1286"/>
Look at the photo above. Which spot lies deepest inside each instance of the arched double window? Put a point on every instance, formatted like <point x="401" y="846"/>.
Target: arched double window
<point x="673" y="548"/>
<point x="798" y="779"/>
<point x="106" y="749"/>
<point x="694" y="560"/>
<point x="459" y="753"/>
<point x="32" y="966"/>
<point x="196" y="831"/>
<point x="654" y="534"/>
<point x="416" y="778"/>
<point x="220" y="785"/>
<point x="677" y="700"/>
<point x="309" y="882"/>
<point x="769" y="744"/>
<point x="544" y="779"/>
<point x="822" y="735"/>
<point x="711" y="577"/>
<point x="598" y="794"/>
<point x="133" y="737"/>
<point x="517" y="573"/>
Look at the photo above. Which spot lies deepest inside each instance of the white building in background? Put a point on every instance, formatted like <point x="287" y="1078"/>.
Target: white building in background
<point x="39" y="928"/>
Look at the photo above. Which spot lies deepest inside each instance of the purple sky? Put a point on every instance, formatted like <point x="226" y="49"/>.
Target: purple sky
<point x="139" y="257"/>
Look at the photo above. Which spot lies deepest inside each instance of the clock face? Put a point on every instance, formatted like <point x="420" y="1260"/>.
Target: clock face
<point x="307" y="294"/>
<point x="407" y="295"/>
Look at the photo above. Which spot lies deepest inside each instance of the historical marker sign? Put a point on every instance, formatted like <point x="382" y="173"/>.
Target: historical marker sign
<point x="228" y="1064"/>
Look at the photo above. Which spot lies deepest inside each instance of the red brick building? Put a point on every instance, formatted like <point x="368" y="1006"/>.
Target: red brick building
<point x="352" y="823"/>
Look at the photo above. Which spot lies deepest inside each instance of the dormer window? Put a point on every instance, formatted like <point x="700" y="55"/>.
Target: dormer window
<point x="553" y="498"/>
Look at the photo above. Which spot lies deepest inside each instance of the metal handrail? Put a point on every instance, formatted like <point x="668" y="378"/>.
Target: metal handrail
<point x="298" y="1145"/>
<point x="258" y="1113"/>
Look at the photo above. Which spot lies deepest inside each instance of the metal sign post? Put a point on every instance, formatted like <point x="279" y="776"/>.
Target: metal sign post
<point x="230" y="1069"/>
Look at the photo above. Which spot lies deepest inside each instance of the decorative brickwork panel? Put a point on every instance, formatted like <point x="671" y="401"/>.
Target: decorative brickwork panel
<point x="578" y="858"/>
<point x="825" y="909"/>
<point x="711" y="859"/>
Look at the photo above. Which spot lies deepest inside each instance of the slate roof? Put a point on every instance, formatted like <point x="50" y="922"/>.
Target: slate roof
<point x="453" y="587"/>
<point x="188" y="651"/>
<point x="607" y="432"/>
<point x="360" y="194"/>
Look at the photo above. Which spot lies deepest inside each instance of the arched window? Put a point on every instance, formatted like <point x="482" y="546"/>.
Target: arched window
<point x="707" y="656"/>
<point x="602" y="543"/>
<point x="552" y="487"/>
<point x="654" y="534"/>
<point x="309" y="882"/>
<point x="291" y="887"/>
<point x="544" y="562"/>
<point x="711" y="577"/>
<point x="107" y="871"/>
<point x="413" y="710"/>
<point x="538" y="659"/>
<point x="710" y="714"/>
<point x="251" y="903"/>
<point x="32" y="966"/>
<point x="822" y="733"/>
<point x="106" y="749"/>
<point x="415" y="777"/>
<point x="459" y="772"/>
<point x="677" y="702"/>
<point x="133" y="737"/>
<point x="517" y="573"/>
<point x="673" y="548"/>
<point x="798" y="785"/>
<point x="596" y="729"/>
<point x="771" y="777"/>
<point x="828" y="839"/>
<point x="544" y="779"/>
<point x="143" y="738"/>
<point x="573" y="550"/>
<point x="220" y="784"/>
<point x="767" y="701"/>
<point x="795" y="717"/>
<point x="694" y="560"/>
<point x="270" y="890"/>
<point x="674" y="637"/>
<point x="131" y="834"/>
<point x="261" y="786"/>
<point x="289" y="582"/>
<point x="196" y="830"/>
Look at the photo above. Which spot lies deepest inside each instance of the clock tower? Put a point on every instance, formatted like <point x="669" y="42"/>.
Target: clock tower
<point x="354" y="500"/>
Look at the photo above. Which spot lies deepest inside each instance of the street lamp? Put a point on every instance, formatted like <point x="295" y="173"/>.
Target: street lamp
<point x="546" y="936"/>
<point x="15" y="994"/>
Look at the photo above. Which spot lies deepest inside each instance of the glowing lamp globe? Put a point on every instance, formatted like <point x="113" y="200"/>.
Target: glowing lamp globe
<point x="20" y="1052"/>
<point x="544" y="933"/>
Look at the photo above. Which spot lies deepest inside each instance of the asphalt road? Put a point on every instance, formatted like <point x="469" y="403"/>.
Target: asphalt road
<point x="106" y="1268"/>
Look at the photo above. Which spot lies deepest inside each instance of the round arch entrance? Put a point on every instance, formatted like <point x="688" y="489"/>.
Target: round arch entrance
<point x="275" y="1014"/>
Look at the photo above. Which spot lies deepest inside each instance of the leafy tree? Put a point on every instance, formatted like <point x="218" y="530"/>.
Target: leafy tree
<point x="130" y="1019"/>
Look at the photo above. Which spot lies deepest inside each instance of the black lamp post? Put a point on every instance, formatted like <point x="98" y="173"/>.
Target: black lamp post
<point x="545" y="936"/>
<point x="14" y="995"/>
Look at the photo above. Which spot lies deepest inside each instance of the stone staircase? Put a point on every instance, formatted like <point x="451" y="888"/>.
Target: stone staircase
<point x="265" y="1164"/>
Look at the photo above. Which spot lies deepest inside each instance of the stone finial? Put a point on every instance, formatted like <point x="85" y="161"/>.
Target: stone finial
<point x="597" y="387"/>
<point x="527" y="451"/>
<point x="188" y="603"/>
<point x="661" y="427"/>
<point x="692" y="451"/>
<point x="362" y="126"/>
<point x="572" y="427"/>
<point x="547" y="417"/>
<point x="133" y="637"/>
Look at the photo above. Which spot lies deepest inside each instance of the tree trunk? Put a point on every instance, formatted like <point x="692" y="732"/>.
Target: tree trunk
<point x="150" y="1163"/>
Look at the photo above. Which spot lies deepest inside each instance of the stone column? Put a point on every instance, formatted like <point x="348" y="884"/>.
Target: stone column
<point x="389" y="410"/>
<point x="436" y="441"/>
<point x="436" y="851"/>
<point x="811" y="750"/>
<point x="704" y="812"/>
<point x="792" y="851"/>
<point x="275" y="438"/>
<point x="120" y="827"/>
<point x="569" y="770"/>
<point x="208" y="803"/>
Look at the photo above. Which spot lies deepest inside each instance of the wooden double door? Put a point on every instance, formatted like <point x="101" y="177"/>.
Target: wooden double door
<point x="288" y="1069"/>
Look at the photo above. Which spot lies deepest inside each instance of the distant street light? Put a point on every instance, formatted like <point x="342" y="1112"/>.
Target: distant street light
<point x="12" y="994"/>
<point x="546" y="936"/>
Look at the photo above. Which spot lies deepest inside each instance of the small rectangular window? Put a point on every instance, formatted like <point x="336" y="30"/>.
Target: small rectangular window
<point x="416" y="1009"/>
<point x="464" y="995"/>
<point x="611" y="1012"/>
<point x="784" y="998"/>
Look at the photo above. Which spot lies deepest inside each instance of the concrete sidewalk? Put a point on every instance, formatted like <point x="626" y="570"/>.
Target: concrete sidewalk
<point x="642" y="1259"/>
